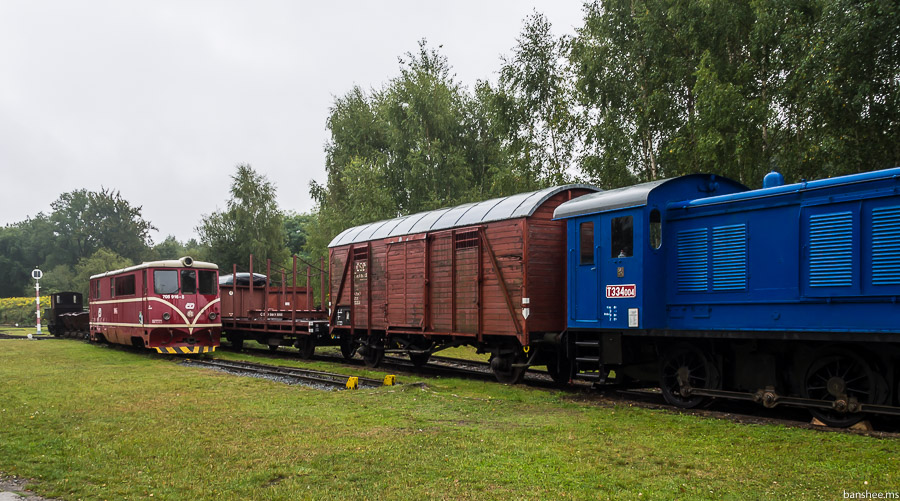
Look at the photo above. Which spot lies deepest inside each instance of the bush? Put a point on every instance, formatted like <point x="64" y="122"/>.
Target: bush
<point x="20" y="310"/>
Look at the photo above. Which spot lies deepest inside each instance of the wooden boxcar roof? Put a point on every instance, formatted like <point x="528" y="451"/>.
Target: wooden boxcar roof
<point x="497" y="209"/>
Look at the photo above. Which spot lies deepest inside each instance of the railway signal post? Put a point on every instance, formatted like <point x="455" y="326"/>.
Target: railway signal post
<point x="37" y="274"/>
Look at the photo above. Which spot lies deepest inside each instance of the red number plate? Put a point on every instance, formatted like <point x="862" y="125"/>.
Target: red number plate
<point x="617" y="291"/>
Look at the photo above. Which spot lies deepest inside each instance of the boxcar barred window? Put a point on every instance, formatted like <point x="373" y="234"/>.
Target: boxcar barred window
<point x="188" y="282"/>
<point x="466" y="240"/>
<point x="208" y="283"/>
<point x="112" y="287"/>
<point x="165" y="281"/>
<point x="586" y="232"/>
<point x="622" y="236"/>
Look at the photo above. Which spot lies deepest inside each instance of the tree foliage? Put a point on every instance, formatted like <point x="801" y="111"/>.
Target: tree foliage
<point x="250" y="224"/>
<point x="85" y="221"/>
<point x="668" y="87"/>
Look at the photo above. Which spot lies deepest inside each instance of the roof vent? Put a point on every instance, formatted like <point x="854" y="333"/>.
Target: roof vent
<point x="187" y="261"/>
<point x="773" y="179"/>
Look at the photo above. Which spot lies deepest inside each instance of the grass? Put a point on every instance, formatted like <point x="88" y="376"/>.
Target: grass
<point x="89" y="422"/>
<point x="23" y="331"/>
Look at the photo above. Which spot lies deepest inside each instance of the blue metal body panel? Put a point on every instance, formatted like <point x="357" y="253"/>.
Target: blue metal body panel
<point x="820" y="256"/>
<point x="616" y="289"/>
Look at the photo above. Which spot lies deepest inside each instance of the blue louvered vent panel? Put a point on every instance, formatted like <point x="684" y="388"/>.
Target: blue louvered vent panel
<point x="693" y="260"/>
<point x="729" y="255"/>
<point x="831" y="250"/>
<point x="886" y="246"/>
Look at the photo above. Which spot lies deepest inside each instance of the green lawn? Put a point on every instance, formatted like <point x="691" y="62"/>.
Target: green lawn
<point x="89" y="422"/>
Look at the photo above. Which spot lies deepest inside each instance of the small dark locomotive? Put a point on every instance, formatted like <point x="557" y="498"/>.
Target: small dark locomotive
<point x="66" y="316"/>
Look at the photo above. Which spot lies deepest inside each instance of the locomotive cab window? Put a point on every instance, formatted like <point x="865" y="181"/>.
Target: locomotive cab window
<point x="165" y="281"/>
<point x="208" y="283"/>
<point x="586" y="232"/>
<point x="655" y="229"/>
<point x="188" y="282"/>
<point x="125" y="285"/>
<point x="622" y="236"/>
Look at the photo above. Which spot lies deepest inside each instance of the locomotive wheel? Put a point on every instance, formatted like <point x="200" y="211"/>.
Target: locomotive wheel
<point x="347" y="347"/>
<point x="502" y="367"/>
<point x="307" y="346"/>
<point x="559" y="370"/>
<point x="373" y="352"/>
<point x="841" y="375"/>
<point x="686" y="365"/>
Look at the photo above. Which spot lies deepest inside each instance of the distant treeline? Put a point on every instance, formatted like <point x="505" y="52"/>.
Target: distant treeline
<point x="643" y="90"/>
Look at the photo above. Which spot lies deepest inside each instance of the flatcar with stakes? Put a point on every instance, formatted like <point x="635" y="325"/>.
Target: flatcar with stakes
<point x="273" y="309"/>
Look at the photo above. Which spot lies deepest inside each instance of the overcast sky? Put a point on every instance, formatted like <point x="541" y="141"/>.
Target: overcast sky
<point x="162" y="99"/>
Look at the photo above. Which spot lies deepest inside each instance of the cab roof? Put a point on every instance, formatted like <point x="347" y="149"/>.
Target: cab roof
<point x="171" y="263"/>
<point x="688" y="187"/>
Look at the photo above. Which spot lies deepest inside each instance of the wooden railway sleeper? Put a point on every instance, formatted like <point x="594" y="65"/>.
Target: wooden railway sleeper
<point x="769" y="398"/>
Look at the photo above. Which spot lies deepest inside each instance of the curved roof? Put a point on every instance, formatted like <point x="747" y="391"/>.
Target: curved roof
<point x="171" y="263"/>
<point x="691" y="186"/>
<point x="619" y="198"/>
<point x="497" y="209"/>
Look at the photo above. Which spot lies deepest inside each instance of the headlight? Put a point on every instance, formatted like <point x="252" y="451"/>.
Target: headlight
<point x="166" y="316"/>
<point x="212" y="315"/>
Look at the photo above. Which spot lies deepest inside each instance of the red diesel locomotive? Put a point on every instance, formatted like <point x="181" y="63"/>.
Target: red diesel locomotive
<point x="170" y="306"/>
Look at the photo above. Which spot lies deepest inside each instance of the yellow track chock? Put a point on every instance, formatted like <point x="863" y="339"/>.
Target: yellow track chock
<point x="390" y="380"/>
<point x="353" y="383"/>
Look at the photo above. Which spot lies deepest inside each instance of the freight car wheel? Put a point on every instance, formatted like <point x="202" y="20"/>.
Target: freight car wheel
<point x="502" y="367"/>
<point x="347" y="347"/>
<point x="307" y="346"/>
<point x="373" y="352"/>
<point x="237" y="342"/>
<point x="686" y="366"/>
<point x="841" y="376"/>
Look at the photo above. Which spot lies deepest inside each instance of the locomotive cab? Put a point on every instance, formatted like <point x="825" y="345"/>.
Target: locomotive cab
<point x="615" y="250"/>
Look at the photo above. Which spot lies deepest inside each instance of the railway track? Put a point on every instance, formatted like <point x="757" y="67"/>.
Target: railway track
<point x="612" y="394"/>
<point x="292" y="374"/>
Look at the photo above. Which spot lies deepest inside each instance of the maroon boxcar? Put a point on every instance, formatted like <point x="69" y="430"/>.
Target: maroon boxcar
<point x="489" y="274"/>
<point x="170" y="306"/>
<point x="271" y="312"/>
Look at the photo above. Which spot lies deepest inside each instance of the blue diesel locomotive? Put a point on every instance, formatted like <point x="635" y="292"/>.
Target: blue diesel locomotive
<point x="785" y="295"/>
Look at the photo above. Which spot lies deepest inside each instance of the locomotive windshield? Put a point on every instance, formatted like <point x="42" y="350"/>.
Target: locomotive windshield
<point x="188" y="282"/>
<point x="165" y="281"/>
<point x="208" y="283"/>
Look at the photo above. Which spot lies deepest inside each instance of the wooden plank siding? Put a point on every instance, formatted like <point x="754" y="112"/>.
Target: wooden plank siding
<point x="401" y="289"/>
